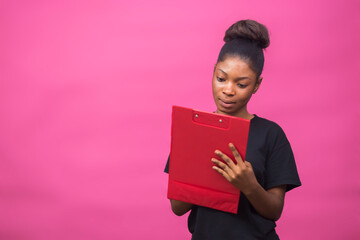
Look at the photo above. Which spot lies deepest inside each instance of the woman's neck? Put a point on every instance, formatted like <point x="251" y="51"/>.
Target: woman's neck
<point x="244" y="114"/>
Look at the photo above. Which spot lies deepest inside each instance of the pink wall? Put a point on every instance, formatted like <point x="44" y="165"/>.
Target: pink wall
<point x="86" y="91"/>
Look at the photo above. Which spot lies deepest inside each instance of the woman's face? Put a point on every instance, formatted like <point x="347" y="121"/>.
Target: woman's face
<point x="233" y="84"/>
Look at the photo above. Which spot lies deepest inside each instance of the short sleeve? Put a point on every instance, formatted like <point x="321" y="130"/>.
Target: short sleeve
<point x="167" y="165"/>
<point x="280" y="164"/>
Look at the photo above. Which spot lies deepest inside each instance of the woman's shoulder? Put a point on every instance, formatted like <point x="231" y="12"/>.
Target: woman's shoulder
<point x="271" y="129"/>
<point x="266" y="123"/>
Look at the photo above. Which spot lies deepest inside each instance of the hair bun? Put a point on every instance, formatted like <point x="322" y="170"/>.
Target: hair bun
<point x="249" y="29"/>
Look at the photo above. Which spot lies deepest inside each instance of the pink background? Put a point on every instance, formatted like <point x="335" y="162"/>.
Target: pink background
<point x="86" y="91"/>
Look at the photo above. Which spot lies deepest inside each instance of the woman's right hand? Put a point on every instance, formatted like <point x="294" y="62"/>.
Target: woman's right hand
<point x="179" y="207"/>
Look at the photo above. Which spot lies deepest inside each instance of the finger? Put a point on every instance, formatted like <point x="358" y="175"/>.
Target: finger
<point x="224" y="167"/>
<point x="228" y="160"/>
<point x="236" y="154"/>
<point x="222" y="172"/>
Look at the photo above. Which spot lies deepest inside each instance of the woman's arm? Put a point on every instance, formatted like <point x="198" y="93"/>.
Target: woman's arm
<point x="180" y="208"/>
<point x="268" y="203"/>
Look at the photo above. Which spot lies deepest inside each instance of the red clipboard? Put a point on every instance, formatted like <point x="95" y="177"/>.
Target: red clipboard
<point x="195" y="135"/>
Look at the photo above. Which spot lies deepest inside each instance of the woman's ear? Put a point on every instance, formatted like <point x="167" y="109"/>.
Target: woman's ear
<point x="257" y="84"/>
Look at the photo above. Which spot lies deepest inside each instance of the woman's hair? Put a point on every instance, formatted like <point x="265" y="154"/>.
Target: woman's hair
<point x="246" y="39"/>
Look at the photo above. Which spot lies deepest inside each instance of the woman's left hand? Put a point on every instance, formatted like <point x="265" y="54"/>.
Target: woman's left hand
<point x="241" y="175"/>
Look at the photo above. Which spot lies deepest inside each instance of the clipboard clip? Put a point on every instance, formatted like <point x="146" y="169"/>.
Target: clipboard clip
<point x="211" y="119"/>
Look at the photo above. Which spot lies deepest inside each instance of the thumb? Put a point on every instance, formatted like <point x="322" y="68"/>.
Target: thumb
<point x="248" y="164"/>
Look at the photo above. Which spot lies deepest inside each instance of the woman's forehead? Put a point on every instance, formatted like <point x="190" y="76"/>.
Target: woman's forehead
<point x="235" y="66"/>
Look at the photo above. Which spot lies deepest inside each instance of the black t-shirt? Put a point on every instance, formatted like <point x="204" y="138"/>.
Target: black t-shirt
<point x="269" y="152"/>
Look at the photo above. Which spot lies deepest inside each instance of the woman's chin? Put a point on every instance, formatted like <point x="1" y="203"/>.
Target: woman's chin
<point x="227" y="111"/>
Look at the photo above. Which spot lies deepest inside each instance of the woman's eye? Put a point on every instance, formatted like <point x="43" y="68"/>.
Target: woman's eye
<point x="241" y="85"/>
<point x="220" y="79"/>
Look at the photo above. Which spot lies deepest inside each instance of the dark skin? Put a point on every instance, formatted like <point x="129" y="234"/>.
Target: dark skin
<point x="233" y="84"/>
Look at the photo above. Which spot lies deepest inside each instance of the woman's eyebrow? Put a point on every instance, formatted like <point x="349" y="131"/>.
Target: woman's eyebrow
<point x="242" y="78"/>
<point x="223" y="71"/>
<point x="237" y="79"/>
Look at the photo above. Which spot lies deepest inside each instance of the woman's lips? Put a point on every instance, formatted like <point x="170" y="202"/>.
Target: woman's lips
<point x="226" y="104"/>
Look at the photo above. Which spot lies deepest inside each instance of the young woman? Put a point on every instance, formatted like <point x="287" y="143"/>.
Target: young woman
<point x="269" y="169"/>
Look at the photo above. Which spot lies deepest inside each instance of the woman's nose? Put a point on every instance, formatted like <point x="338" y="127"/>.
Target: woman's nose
<point x="229" y="89"/>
